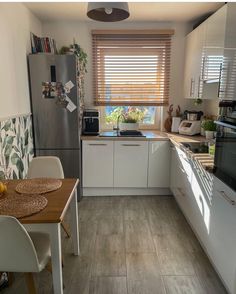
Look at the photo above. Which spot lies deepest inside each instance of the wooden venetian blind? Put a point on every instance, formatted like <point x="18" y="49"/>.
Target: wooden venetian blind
<point x="131" y="67"/>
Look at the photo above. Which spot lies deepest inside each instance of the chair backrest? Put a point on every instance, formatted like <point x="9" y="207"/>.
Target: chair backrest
<point x="17" y="251"/>
<point x="45" y="167"/>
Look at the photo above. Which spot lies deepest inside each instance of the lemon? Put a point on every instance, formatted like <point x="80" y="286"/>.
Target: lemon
<point x="3" y="188"/>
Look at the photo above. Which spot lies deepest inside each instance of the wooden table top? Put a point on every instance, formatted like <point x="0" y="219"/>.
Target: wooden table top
<point x="58" y="202"/>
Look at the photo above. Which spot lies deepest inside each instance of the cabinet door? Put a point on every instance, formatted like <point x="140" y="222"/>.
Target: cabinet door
<point x="97" y="163"/>
<point x="159" y="164"/>
<point x="200" y="201"/>
<point x="213" y="53"/>
<point x="183" y="182"/>
<point x="188" y="71"/>
<point x="180" y="176"/>
<point x="222" y="233"/>
<point x="130" y="164"/>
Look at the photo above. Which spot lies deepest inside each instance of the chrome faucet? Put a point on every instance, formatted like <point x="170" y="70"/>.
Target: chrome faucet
<point x="118" y="122"/>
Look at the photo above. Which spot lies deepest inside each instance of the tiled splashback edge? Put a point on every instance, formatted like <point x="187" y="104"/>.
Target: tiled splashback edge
<point x="16" y="146"/>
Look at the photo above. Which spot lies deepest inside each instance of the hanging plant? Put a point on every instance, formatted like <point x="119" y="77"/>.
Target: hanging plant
<point x="198" y="101"/>
<point x="78" y="51"/>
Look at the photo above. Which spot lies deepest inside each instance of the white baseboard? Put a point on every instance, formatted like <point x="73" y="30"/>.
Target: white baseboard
<point x="125" y="191"/>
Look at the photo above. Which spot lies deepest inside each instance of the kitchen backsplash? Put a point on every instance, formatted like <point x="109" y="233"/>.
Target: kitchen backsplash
<point x="16" y="146"/>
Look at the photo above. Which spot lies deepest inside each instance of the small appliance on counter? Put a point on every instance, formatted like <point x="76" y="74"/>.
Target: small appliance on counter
<point x="90" y="125"/>
<point x="191" y="125"/>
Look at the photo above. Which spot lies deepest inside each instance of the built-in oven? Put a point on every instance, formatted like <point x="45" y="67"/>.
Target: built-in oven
<point x="225" y="154"/>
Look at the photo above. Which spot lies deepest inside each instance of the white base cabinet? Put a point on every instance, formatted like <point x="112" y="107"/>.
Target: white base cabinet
<point x="159" y="164"/>
<point x="97" y="163"/>
<point x="222" y="233"/>
<point x="130" y="164"/>
<point x="126" y="164"/>
<point x="210" y="208"/>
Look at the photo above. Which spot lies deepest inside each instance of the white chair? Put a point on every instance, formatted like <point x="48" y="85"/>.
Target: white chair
<point x="21" y="251"/>
<point x="47" y="167"/>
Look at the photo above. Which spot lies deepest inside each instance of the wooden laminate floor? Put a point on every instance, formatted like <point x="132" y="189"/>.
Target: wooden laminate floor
<point x="132" y="245"/>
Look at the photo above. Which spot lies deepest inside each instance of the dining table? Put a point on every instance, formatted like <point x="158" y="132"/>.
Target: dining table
<point x="49" y="221"/>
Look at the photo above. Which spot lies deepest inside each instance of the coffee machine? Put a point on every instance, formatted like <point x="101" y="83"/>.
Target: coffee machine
<point x="90" y="125"/>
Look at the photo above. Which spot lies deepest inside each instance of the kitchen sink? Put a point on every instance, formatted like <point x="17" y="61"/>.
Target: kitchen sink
<point x="122" y="134"/>
<point x="196" y="147"/>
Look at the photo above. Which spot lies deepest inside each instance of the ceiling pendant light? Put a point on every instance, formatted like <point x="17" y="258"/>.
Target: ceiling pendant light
<point x="108" y="11"/>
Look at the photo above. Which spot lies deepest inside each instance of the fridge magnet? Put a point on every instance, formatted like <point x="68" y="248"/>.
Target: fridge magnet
<point x="70" y="106"/>
<point x="60" y="91"/>
<point x="68" y="86"/>
<point x="61" y="101"/>
<point x="48" y="90"/>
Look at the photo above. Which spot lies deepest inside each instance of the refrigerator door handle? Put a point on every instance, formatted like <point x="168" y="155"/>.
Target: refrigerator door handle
<point x="53" y="73"/>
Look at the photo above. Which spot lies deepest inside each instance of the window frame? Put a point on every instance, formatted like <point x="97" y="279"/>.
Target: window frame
<point x="164" y="87"/>
<point x="156" y="126"/>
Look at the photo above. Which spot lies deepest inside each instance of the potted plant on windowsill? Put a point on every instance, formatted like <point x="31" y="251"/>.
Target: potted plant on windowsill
<point x="130" y="119"/>
<point x="129" y="124"/>
<point x="209" y="127"/>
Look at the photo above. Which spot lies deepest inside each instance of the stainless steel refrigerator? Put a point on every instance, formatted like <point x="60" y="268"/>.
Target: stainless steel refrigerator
<point x="56" y="110"/>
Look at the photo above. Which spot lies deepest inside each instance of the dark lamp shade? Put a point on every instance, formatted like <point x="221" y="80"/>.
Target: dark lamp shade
<point x="108" y="11"/>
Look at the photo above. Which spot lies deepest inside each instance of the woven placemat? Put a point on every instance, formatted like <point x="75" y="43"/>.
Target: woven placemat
<point x="38" y="186"/>
<point x="22" y="205"/>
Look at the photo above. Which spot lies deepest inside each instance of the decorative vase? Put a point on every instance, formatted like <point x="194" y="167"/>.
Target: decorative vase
<point x="129" y="126"/>
<point x="209" y="134"/>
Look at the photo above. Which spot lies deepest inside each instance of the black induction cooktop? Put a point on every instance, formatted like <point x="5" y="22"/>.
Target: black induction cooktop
<point x="196" y="147"/>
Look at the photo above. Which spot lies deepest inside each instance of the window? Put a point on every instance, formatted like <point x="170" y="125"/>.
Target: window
<point x="131" y="68"/>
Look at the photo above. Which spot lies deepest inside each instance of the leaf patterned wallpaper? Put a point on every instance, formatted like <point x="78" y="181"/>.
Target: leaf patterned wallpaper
<point x="16" y="146"/>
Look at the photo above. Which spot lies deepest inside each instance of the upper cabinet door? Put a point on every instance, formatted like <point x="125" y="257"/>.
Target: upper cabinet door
<point x="193" y="62"/>
<point x="213" y="54"/>
<point x="188" y="73"/>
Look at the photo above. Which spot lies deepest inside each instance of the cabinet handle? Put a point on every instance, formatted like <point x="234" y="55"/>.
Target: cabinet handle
<point x="191" y="87"/>
<point x="226" y="197"/>
<point x="97" y="144"/>
<point x="130" y="145"/>
<point x="198" y="90"/>
<point x="203" y="67"/>
<point x="220" y="74"/>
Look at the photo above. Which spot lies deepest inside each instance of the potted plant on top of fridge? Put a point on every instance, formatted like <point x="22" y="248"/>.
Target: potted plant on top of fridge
<point x="209" y="127"/>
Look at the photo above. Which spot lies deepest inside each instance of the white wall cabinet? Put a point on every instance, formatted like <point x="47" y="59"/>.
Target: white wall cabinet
<point x="159" y="164"/>
<point x="130" y="164"/>
<point x="195" y="42"/>
<point x="97" y="163"/>
<point x="204" y="57"/>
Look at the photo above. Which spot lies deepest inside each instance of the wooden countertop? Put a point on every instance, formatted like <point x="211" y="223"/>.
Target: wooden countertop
<point x="206" y="160"/>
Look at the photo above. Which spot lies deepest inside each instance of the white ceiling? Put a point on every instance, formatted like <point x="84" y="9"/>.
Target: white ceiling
<point x="139" y="11"/>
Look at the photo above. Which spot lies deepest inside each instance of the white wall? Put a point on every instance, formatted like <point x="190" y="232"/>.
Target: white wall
<point x="16" y="23"/>
<point x="64" y="32"/>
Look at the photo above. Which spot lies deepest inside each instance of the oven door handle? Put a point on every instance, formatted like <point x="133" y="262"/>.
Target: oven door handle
<point x="227" y="125"/>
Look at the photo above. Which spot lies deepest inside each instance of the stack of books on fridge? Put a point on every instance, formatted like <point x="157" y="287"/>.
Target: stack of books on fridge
<point x="43" y="45"/>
